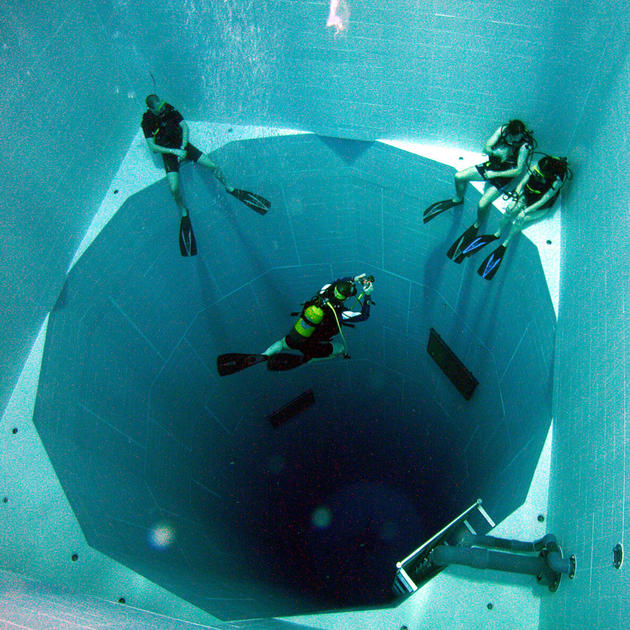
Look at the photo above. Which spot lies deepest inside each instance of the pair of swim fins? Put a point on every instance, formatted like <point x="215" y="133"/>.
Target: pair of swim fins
<point x="235" y="362"/>
<point x="187" y="242"/>
<point x="438" y="207"/>
<point x="469" y="243"/>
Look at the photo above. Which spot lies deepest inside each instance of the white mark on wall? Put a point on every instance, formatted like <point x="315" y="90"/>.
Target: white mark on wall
<point x="338" y="15"/>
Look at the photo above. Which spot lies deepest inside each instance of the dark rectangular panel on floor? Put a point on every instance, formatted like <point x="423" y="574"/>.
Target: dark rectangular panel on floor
<point x="292" y="409"/>
<point x="456" y="371"/>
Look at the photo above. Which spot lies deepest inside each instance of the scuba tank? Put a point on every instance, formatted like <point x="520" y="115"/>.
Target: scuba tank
<point x="311" y="316"/>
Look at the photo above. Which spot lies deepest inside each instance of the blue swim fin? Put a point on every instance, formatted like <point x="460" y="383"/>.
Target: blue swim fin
<point x="456" y="250"/>
<point x="491" y="264"/>
<point x="477" y="243"/>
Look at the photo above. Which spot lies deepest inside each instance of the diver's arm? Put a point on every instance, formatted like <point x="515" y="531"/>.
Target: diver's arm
<point x="521" y="164"/>
<point x="515" y="171"/>
<point x="488" y="148"/>
<point x="354" y="316"/>
<point x="521" y="184"/>
<point x="523" y="158"/>
<point x="365" y="300"/>
<point x="185" y="133"/>
<point x="557" y="185"/>
<point x="158" y="148"/>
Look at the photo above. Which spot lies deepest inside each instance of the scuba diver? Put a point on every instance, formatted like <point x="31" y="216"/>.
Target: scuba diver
<point x="532" y="199"/>
<point x="167" y="133"/>
<point x="509" y="151"/>
<point x="319" y="321"/>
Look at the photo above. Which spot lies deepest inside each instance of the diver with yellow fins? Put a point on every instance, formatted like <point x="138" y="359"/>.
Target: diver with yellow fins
<point x="311" y="336"/>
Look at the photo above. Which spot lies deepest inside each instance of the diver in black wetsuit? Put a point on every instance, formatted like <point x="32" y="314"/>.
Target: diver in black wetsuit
<point x="322" y="318"/>
<point x="166" y="132"/>
<point x="535" y="194"/>
<point x="532" y="199"/>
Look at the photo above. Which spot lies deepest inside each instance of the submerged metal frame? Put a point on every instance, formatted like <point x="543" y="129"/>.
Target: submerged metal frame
<point x="417" y="564"/>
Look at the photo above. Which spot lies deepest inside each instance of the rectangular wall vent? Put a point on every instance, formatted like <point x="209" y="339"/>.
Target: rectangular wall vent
<point x="292" y="409"/>
<point x="456" y="371"/>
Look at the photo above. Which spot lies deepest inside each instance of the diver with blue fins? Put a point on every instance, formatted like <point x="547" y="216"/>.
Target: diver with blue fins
<point x="532" y="199"/>
<point x="311" y="337"/>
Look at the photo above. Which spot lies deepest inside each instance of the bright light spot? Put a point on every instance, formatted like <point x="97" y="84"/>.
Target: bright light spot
<point x="161" y="536"/>
<point x="338" y="16"/>
<point x="321" y="517"/>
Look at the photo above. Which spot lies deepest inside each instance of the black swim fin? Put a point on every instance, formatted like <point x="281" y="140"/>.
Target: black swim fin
<point x="285" y="361"/>
<point x="438" y="207"/>
<point x="255" y="202"/>
<point x="187" y="243"/>
<point x="456" y="250"/>
<point x="491" y="264"/>
<point x="234" y="362"/>
<point x="477" y="243"/>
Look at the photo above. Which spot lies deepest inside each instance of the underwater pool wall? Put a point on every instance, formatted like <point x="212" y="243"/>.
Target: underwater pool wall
<point x="145" y="435"/>
<point x="590" y="461"/>
<point x="71" y="123"/>
<point x="55" y="61"/>
<point x="76" y="75"/>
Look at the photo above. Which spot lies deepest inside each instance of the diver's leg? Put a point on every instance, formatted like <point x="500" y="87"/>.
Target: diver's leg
<point x="338" y="349"/>
<point x="511" y="212"/>
<point x="461" y="178"/>
<point x="490" y="195"/>
<point x="205" y="161"/>
<point x="523" y="220"/>
<point x="173" y="183"/>
<point x="278" y="346"/>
